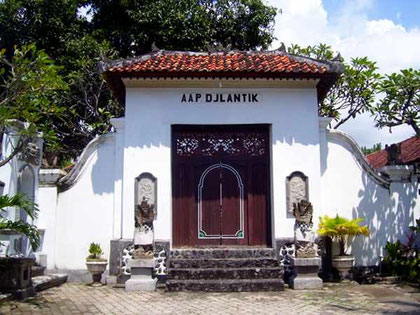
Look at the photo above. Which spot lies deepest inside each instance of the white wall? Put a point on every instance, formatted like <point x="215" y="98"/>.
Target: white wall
<point x="99" y="206"/>
<point x="85" y="210"/>
<point x="351" y="192"/>
<point x="10" y="173"/>
<point x="151" y="112"/>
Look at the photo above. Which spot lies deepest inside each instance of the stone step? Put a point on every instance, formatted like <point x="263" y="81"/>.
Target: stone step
<point x="216" y="253"/>
<point x="230" y="285"/>
<point x="47" y="281"/>
<point x="223" y="263"/>
<point x="37" y="271"/>
<point x="225" y="273"/>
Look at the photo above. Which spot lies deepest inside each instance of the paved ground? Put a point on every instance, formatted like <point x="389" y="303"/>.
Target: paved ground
<point x="78" y="298"/>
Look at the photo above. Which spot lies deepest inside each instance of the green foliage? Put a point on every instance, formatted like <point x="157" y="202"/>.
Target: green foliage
<point x="354" y="92"/>
<point x="416" y="228"/>
<point x="31" y="209"/>
<point x="134" y="26"/>
<point x="30" y="89"/>
<point x="376" y="147"/>
<point x="401" y="102"/>
<point x="321" y="51"/>
<point x="403" y="260"/>
<point x="95" y="251"/>
<point x="340" y="229"/>
<point x="120" y="29"/>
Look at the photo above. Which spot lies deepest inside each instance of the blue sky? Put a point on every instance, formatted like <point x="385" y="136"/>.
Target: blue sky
<point x="404" y="12"/>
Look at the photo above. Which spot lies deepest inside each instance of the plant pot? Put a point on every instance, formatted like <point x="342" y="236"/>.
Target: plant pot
<point x="96" y="268"/>
<point x="343" y="264"/>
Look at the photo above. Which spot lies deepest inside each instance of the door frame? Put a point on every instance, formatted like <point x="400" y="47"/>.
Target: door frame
<point x="269" y="227"/>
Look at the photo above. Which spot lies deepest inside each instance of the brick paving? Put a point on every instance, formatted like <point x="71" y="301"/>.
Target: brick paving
<point x="79" y="298"/>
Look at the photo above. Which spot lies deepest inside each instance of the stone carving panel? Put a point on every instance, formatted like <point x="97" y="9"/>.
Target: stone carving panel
<point x="144" y="215"/>
<point x="236" y="144"/>
<point x="146" y="189"/>
<point x="297" y="190"/>
<point x="304" y="233"/>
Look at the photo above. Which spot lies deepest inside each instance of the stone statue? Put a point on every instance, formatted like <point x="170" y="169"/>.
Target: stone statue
<point x="304" y="234"/>
<point x="145" y="214"/>
<point x="143" y="232"/>
<point x="393" y="151"/>
<point x="31" y="154"/>
<point x="303" y="212"/>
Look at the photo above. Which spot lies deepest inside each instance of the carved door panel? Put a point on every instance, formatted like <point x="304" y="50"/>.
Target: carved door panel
<point x="220" y="186"/>
<point x="221" y="206"/>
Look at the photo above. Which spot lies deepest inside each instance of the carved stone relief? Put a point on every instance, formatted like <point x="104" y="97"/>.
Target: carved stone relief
<point x="144" y="214"/>
<point x="297" y="190"/>
<point x="146" y="189"/>
<point x="31" y="154"/>
<point x="304" y="233"/>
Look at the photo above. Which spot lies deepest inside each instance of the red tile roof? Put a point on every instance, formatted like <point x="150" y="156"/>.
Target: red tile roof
<point x="410" y="153"/>
<point x="263" y="64"/>
<point x="234" y="62"/>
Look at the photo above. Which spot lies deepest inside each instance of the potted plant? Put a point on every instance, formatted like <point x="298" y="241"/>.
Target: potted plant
<point x="96" y="265"/>
<point x="340" y="230"/>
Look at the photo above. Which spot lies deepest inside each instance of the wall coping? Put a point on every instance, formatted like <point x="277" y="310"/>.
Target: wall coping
<point x="74" y="175"/>
<point x="376" y="176"/>
<point x="398" y="173"/>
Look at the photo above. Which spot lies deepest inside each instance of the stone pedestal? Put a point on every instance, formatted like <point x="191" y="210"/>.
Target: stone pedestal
<point x="307" y="273"/>
<point x="141" y="276"/>
<point x="15" y="276"/>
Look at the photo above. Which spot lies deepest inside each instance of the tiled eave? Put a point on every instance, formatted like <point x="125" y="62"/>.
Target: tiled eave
<point x="118" y="88"/>
<point x="233" y="66"/>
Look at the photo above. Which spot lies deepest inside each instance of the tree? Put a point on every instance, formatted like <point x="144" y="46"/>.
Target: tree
<point x="134" y="26"/>
<point x="376" y="147"/>
<point x="121" y="29"/>
<point x="30" y="89"/>
<point x="401" y="102"/>
<point x="353" y="93"/>
<point x="20" y="226"/>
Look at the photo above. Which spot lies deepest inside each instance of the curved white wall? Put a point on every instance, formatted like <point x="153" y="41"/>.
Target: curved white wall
<point x="85" y="211"/>
<point x="351" y="192"/>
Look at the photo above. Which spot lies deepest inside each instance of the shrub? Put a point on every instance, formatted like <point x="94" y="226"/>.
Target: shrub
<point x="341" y="229"/>
<point x="95" y="252"/>
<point x="403" y="259"/>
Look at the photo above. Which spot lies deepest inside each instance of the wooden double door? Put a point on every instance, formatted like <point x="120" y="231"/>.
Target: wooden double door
<point x="221" y="185"/>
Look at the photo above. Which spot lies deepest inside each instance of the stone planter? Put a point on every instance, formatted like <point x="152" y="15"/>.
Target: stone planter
<point x="96" y="268"/>
<point x="343" y="264"/>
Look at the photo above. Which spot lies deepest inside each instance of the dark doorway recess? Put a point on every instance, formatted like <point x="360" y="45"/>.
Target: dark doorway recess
<point x="221" y="185"/>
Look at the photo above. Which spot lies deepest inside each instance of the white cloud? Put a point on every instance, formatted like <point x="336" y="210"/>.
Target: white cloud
<point x="392" y="46"/>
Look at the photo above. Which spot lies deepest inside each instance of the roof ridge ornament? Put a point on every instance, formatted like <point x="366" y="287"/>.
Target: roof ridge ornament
<point x="282" y="47"/>
<point x="154" y="48"/>
<point x="338" y="58"/>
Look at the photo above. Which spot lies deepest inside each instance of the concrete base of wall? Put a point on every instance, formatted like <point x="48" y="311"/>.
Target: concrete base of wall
<point x="80" y="275"/>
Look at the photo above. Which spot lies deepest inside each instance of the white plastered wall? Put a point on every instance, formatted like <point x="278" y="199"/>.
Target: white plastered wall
<point x="99" y="206"/>
<point x="150" y="112"/>
<point x="350" y="191"/>
<point x="11" y="175"/>
<point x="85" y="211"/>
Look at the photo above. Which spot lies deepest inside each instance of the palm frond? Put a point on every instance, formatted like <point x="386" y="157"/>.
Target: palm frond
<point x="19" y="200"/>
